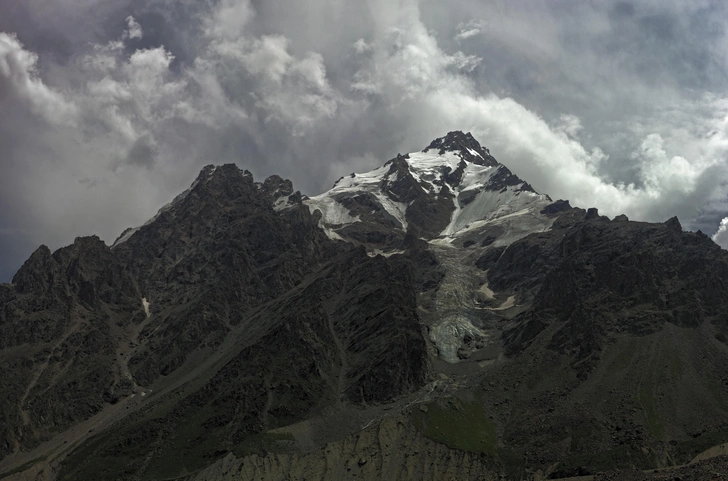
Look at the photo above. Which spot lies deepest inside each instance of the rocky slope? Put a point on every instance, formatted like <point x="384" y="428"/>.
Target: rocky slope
<point x="60" y="324"/>
<point x="434" y="318"/>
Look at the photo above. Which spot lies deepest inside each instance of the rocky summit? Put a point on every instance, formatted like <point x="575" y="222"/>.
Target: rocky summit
<point x="435" y="318"/>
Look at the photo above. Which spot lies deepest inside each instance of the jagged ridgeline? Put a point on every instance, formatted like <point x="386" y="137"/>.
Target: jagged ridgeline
<point x="435" y="318"/>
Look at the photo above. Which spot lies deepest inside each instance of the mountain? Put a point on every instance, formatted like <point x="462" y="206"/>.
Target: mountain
<point x="453" y="190"/>
<point x="435" y="318"/>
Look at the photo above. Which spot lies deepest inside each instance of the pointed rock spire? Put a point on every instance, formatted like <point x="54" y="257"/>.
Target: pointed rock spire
<point x="465" y="146"/>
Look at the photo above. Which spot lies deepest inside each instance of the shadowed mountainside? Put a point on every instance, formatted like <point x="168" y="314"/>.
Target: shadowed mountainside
<point x="434" y="317"/>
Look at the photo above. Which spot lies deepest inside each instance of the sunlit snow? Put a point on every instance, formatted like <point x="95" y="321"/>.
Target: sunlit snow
<point x="334" y="214"/>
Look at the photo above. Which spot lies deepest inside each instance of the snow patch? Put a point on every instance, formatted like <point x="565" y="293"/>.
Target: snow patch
<point x="126" y="236"/>
<point x="360" y="182"/>
<point x="398" y="210"/>
<point x="379" y="252"/>
<point x="330" y="233"/>
<point x="484" y="205"/>
<point x="442" y="241"/>
<point x="429" y="169"/>
<point x="282" y="203"/>
<point x="489" y="294"/>
<point x="332" y="212"/>
<point x="475" y="153"/>
<point x="473" y="205"/>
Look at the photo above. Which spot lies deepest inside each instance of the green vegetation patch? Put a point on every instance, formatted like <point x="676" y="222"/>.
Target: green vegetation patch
<point x="190" y="447"/>
<point x="265" y="443"/>
<point x="464" y="424"/>
<point x="193" y="446"/>
<point x="676" y="365"/>
<point x="458" y="424"/>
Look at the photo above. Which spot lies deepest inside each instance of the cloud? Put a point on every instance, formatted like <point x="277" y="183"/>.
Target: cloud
<point x="721" y="235"/>
<point x="229" y="19"/>
<point x="142" y="153"/>
<point x="280" y="87"/>
<point x="470" y="29"/>
<point x="267" y="56"/>
<point x="426" y="96"/>
<point x="617" y="106"/>
<point x="19" y="78"/>
<point x="361" y="46"/>
<point x="134" y="29"/>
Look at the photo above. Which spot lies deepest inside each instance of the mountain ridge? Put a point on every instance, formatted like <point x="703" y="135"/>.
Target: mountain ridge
<point x="438" y="301"/>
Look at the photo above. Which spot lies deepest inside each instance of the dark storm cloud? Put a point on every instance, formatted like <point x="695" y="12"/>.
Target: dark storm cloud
<point x="142" y="153"/>
<point x="18" y="17"/>
<point x="626" y="70"/>
<point x="110" y="108"/>
<point x="668" y="46"/>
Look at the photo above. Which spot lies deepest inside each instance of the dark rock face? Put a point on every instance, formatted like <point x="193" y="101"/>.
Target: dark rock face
<point x="556" y="207"/>
<point x="35" y="276"/>
<point x="625" y="318"/>
<point x="674" y="224"/>
<point x="237" y="315"/>
<point x="348" y="335"/>
<point x="405" y="188"/>
<point x="57" y="318"/>
<point x="426" y="214"/>
<point x="651" y="274"/>
<point x="218" y="262"/>
<point x="505" y="178"/>
<point x="276" y="186"/>
<point x="591" y="213"/>
<point x="215" y="255"/>
<point x="465" y="146"/>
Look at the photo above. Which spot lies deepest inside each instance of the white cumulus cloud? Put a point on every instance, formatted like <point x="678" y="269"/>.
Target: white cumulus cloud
<point x="120" y="126"/>
<point x="134" y="30"/>
<point x="721" y="236"/>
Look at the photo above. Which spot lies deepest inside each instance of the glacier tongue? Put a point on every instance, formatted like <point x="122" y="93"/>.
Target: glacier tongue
<point x="464" y="203"/>
<point x="456" y="318"/>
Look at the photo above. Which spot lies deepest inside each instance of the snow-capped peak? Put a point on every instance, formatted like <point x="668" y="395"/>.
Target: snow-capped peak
<point x="464" y="146"/>
<point x="453" y="187"/>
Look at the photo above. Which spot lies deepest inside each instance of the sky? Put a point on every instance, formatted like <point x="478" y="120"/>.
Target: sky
<point x="109" y="108"/>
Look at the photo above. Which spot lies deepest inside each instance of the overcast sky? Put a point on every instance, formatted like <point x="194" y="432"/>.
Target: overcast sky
<point x="109" y="108"/>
